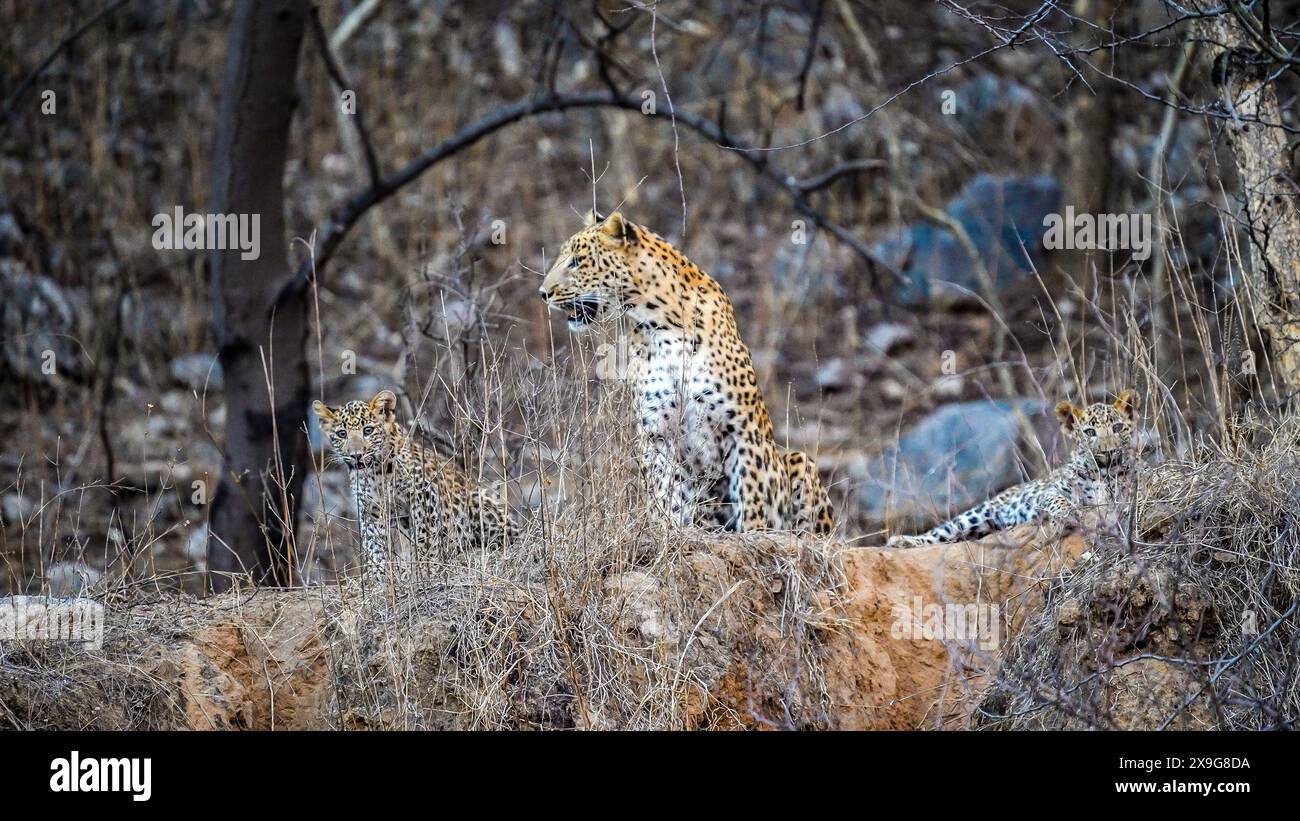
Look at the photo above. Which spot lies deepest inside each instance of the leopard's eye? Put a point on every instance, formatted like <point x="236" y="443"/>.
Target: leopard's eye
<point x="368" y="430"/>
<point x="1118" y="427"/>
<point x="573" y="262"/>
<point x="1089" y="431"/>
<point x="340" y="433"/>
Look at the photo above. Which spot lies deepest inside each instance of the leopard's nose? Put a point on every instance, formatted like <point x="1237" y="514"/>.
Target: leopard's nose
<point x="542" y="293"/>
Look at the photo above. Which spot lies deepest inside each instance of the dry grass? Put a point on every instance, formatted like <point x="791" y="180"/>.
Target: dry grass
<point x="599" y="616"/>
<point x="1201" y="604"/>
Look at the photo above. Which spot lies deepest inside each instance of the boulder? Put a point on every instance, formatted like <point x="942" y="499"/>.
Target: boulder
<point x="1002" y="216"/>
<point x="200" y="372"/>
<point x="39" y="321"/>
<point x="957" y="456"/>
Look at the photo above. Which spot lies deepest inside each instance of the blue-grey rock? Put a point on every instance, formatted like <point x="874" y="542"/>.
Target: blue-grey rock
<point x="198" y="371"/>
<point x="39" y="325"/>
<point x="1003" y="217"/>
<point x="956" y="457"/>
<point x="11" y="236"/>
<point x="314" y="436"/>
<point x="15" y="508"/>
<point x="985" y="103"/>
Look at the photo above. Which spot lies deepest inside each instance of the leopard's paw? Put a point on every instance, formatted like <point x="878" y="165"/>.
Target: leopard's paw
<point x="896" y="542"/>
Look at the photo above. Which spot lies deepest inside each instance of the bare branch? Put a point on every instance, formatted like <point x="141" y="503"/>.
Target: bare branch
<point x="332" y="234"/>
<point x="342" y="83"/>
<point x="6" y="113"/>
<point x="824" y="179"/>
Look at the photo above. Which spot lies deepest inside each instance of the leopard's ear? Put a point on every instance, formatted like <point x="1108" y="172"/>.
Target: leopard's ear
<point x="1127" y="403"/>
<point x="592" y="217"/>
<point x="1067" y="414"/>
<point x="322" y="411"/>
<point x="617" y="230"/>
<point x="384" y="405"/>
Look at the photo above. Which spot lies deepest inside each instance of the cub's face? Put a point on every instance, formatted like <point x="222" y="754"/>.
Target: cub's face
<point x="594" y="274"/>
<point x="1106" y="430"/>
<point x="358" y="432"/>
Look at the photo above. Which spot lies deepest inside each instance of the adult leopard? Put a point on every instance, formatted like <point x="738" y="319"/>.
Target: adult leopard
<point x="706" y="438"/>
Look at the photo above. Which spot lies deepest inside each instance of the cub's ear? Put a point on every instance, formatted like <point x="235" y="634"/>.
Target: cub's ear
<point x="591" y="218"/>
<point x="617" y="230"/>
<point x="322" y="411"/>
<point x="1068" y="415"/>
<point x="1127" y="403"/>
<point x="384" y="405"/>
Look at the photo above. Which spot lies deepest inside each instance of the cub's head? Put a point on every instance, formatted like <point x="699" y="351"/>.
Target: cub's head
<point x="358" y="432"/>
<point x="1106" y="430"/>
<point x="595" y="274"/>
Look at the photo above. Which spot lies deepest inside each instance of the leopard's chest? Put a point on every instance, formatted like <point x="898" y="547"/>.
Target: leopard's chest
<point x="398" y="486"/>
<point x="685" y="400"/>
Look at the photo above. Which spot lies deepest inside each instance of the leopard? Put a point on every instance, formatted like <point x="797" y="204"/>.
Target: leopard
<point x="1101" y="457"/>
<point x="705" y="438"/>
<point x="399" y="482"/>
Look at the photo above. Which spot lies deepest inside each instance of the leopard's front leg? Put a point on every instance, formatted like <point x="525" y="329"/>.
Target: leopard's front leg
<point x="1056" y="513"/>
<point x="374" y="541"/>
<point x="375" y="524"/>
<point x="673" y="488"/>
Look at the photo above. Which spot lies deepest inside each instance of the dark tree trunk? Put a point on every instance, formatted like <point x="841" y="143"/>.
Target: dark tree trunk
<point x="262" y="355"/>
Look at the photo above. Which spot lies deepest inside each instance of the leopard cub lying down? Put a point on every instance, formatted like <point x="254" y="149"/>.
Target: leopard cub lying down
<point x="1101" y="457"/>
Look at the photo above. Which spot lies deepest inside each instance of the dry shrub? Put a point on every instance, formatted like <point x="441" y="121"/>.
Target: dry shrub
<point x="711" y="633"/>
<point x="1190" y="625"/>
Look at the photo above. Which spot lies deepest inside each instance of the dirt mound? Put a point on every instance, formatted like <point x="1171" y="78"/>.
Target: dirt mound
<point x="1123" y="645"/>
<point x="926" y="626"/>
<point x="739" y="632"/>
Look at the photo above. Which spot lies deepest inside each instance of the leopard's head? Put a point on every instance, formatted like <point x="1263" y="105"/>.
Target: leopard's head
<point x="595" y="274"/>
<point x="359" y="433"/>
<point x="1104" y="430"/>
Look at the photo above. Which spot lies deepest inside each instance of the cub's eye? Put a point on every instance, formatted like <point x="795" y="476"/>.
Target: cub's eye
<point x="1089" y="431"/>
<point x="340" y="433"/>
<point x="368" y="430"/>
<point x="1118" y="427"/>
<point x="573" y="262"/>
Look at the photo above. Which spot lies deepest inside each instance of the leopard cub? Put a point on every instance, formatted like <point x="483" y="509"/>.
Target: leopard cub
<point x="397" y="481"/>
<point x="1102" y="456"/>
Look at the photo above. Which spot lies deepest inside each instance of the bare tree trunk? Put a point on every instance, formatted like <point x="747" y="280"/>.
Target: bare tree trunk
<point x="1268" y="193"/>
<point x="1090" y="125"/>
<point x="262" y="353"/>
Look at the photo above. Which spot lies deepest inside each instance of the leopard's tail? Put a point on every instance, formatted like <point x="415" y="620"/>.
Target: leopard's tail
<point x="972" y="524"/>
